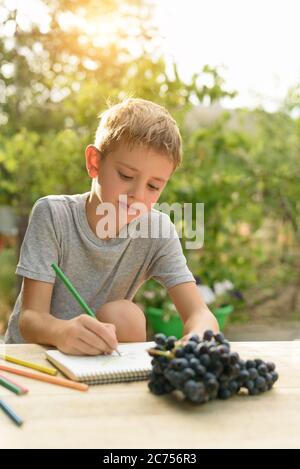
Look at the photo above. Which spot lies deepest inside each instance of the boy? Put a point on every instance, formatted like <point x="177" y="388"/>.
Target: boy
<point x="137" y="148"/>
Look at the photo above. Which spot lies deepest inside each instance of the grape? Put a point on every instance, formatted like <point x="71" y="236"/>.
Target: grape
<point x="208" y="335"/>
<point x="258" y="362"/>
<point x="195" y="338"/>
<point x="224" y="393"/>
<point x="250" y="364"/>
<point x="200" y="370"/>
<point x="226" y="343"/>
<point x="216" y="368"/>
<point x="249" y="385"/>
<point x="223" y="350"/>
<point x="263" y="370"/>
<point x="243" y="376"/>
<point x="270" y="366"/>
<point x="179" y="353"/>
<point x="188" y="373"/>
<point x="170" y="342"/>
<point x="253" y="374"/>
<point x="159" y="384"/>
<point x="179" y="363"/>
<point x="194" y="363"/>
<point x="225" y="359"/>
<point x="190" y="347"/>
<point x="214" y="354"/>
<point x="233" y="358"/>
<point x="233" y="386"/>
<point x="160" y="339"/>
<point x="201" y="349"/>
<point x="205" y="369"/>
<point x="260" y="383"/>
<point x="195" y="391"/>
<point x="205" y="360"/>
<point x="219" y="337"/>
<point x="157" y="369"/>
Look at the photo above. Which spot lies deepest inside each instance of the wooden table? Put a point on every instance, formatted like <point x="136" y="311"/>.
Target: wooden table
<point x="128" y="416"/>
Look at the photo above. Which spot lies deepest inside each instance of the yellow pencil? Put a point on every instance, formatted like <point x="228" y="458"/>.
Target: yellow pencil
<point x="34" y="366"/>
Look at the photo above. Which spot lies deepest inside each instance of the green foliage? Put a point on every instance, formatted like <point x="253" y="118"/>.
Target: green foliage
<point x="8" y="265"/>
<point x="275" y="153"/>
<point x="61" y="81"/>
<point x="244" y="168"/>
<point x="153" y="294"/>
<point x="7" y="285"/>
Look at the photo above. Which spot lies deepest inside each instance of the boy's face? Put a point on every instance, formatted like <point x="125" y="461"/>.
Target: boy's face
<point x="139" y="173"/>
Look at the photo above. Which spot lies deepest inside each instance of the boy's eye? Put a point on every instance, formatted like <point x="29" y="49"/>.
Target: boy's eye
<point x="124" y="176"/>
<point x="153" y="188"/>
<point x="127" y="178"/>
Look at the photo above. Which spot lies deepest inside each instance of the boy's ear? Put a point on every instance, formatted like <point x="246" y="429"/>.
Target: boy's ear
<point x="92" y="160"/>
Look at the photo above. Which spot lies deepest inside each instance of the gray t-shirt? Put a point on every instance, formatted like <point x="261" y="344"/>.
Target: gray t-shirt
<point x="101" y="270"/>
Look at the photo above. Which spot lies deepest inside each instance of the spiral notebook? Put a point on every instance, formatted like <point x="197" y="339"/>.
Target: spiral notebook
<point x="134" y="364"/>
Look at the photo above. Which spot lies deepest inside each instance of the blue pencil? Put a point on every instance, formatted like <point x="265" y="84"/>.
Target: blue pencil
<point x="11" y="413"/>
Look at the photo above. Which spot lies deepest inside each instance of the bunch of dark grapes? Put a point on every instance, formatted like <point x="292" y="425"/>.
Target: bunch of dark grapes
<point x="206" y="369"/>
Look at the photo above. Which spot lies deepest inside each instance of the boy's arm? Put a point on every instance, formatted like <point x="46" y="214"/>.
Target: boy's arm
<point x="80" y="335"/>
<point x="36" y="323"/>
<point x="195" y="314"/>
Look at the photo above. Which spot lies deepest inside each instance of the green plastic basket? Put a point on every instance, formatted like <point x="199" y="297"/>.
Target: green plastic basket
<point x="174" y="325"/>
<point x="222" y="314"/>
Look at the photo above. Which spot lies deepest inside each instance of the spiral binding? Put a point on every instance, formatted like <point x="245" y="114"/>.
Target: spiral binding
<point x="115" y="376"/>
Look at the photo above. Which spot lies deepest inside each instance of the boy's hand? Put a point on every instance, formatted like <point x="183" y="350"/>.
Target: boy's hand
<point x="85" y="335"/>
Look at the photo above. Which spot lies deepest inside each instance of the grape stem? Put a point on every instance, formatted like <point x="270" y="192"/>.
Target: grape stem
<point x="153" y="353"/>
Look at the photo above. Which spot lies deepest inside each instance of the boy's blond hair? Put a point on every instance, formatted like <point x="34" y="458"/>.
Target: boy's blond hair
<point x="137" y="121"/>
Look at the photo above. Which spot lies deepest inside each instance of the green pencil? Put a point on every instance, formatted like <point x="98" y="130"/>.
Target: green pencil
<point x="75" y="293"/>
<point x="8" y="385"/>
<point x="73" y="290"/>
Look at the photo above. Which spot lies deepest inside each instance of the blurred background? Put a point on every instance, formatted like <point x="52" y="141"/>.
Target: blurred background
<point x="229" y="72"/>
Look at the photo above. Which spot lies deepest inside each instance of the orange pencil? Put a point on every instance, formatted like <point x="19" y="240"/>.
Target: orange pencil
<point x="48" y="379"/>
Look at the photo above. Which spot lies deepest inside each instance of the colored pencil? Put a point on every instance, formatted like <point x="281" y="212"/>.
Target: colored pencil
<point x="34" y="366"/>
<point x="76" y="294"/>
<point x="46" y="378"/>
<point x="73" y="290"/>
<point x="12" y="381"/>
<point x="11" y="413"/>
<point x="8" y="385"/>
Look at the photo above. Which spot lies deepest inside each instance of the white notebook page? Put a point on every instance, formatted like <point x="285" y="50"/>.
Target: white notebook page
<point x="133" y="357"/>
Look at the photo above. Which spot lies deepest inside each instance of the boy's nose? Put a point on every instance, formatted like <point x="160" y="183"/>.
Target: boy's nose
<point x="136" y="194"/>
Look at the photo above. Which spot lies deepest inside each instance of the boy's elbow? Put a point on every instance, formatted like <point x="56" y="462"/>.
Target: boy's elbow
<point x="24" y="321"/>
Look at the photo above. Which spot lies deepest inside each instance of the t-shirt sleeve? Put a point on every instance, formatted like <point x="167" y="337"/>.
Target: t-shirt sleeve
<point x="169" y="265"/>
<point x="40" y="246"/>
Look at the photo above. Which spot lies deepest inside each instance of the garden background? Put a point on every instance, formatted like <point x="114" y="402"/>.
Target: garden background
<point x="57" y="71"/>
